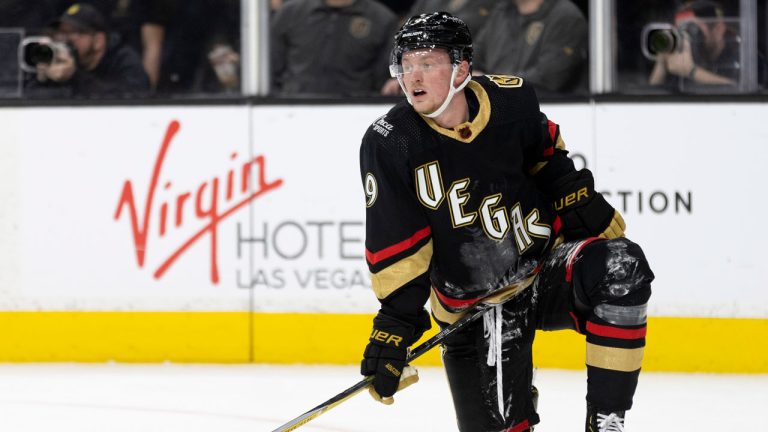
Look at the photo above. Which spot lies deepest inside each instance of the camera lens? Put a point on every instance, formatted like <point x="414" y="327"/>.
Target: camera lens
<point x="35" y="53"/>
<point x="661" y="41"/>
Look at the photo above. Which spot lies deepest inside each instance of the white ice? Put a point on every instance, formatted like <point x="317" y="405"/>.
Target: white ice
<point x="224" y="398"/>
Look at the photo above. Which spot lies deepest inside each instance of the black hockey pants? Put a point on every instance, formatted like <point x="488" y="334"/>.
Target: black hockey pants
<point x="597" y="287"/>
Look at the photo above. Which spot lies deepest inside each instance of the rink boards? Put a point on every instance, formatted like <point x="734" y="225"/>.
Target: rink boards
<point x="235" y="234"/>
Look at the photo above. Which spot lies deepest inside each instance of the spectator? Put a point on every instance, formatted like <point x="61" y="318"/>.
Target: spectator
<point x="399" y="7"/>
<point x="221" y="73"/>
<point x="94" y="64"/>
<point x="474" y="13"/>
<point x="185" y="42"/>
<point x="710" y="52"/>
<point x="152" y="35"/>
<point x="543" y="41"/>
<point x="331" y="47"/>
<point x="123" y="17"/>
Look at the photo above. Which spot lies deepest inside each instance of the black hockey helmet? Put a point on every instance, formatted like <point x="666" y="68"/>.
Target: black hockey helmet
<point x="434" y="30"/>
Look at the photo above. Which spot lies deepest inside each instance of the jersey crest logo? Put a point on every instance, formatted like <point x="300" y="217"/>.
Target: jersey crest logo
<point x="506" y="81"/>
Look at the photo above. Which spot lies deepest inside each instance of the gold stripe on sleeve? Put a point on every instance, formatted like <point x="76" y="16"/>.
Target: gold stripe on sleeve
<point x="388" y="280"/>
<point x="536" y="168"/>
<point x="560" y="144"/>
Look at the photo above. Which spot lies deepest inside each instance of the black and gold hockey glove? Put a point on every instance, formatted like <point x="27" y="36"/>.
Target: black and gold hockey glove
<point x="385" y="356"/>
<point x="583" y="211"/>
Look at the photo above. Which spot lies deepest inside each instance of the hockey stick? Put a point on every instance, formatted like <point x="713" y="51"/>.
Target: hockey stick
<point x="473" y="313"/>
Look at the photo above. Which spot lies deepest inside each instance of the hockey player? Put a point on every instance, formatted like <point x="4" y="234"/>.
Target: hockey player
<point x="468" y="186"/>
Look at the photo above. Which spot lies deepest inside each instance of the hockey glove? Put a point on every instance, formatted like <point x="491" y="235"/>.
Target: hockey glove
<point x="615" y="228"/>
<point x="583" y="211"/>
<point x="385" y="356"/>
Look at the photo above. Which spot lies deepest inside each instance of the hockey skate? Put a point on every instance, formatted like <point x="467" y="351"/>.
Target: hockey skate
<point x="604" y="421"/>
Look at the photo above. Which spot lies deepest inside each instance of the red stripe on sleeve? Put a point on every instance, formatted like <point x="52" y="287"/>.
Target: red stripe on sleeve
<point x="387" y="252"/>
<point x="549" y="151"/>
<point x="552" y="130"/>
<point x="615" y="332"/>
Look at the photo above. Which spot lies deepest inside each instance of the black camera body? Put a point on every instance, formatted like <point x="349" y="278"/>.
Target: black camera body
<point x="36" y="50"/>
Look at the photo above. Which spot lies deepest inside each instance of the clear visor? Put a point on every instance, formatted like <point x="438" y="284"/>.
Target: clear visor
<point x="426" y="61"/>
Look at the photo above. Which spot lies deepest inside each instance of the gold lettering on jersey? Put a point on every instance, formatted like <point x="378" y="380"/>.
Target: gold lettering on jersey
<point x="456" y="200"/>
<point x="506" y="81"/>
<point x="497" y="221"/>
<point x="429" y="185"/>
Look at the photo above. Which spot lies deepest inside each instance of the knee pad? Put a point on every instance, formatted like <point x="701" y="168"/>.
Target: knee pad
<point x="613" y="279"/>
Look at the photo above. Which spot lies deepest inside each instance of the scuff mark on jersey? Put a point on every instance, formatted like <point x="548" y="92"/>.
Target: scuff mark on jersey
<point x="561" y="254"/>
<point x="487" y="274"/>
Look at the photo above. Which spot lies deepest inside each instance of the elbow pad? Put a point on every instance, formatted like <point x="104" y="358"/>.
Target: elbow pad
<point x="583" y="211"/>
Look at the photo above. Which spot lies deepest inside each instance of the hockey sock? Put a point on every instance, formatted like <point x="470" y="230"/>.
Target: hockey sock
<point x="614" y="357"/>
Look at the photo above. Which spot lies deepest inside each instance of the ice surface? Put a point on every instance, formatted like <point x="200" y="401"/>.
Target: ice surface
<point x="223" y="398"/>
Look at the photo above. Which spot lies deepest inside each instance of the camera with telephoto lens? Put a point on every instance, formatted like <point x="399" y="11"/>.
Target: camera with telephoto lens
<point x="664" y="38"/>
<point x="36" y="50"/>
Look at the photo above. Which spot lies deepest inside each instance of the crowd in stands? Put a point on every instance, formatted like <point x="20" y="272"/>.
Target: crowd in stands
<point x="320" y="48"/>
<point x="130" y="48"/>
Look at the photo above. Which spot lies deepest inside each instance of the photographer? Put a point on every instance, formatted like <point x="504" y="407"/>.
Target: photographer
<point x="709" y="52"/>
<point x="87" y="60"/>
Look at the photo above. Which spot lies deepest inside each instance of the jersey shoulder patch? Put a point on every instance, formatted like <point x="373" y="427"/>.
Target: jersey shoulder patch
<point x="398" y="131"/>
<point x="506" y="81"/>
<point x="382" y="126"/>
<point x="386" y="124"/>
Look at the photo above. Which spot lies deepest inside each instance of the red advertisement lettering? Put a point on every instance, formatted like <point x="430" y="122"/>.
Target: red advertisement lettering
<point x="205" y="201"/>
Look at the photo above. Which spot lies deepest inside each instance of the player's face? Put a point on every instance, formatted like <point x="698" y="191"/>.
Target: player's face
<point x="427" y="77"/>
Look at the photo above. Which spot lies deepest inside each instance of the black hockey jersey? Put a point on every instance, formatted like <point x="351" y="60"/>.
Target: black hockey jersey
<point x="460" y="209"/>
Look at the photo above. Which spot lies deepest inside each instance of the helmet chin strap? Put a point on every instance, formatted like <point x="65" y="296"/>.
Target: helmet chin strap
<point x="451" y="92"/>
